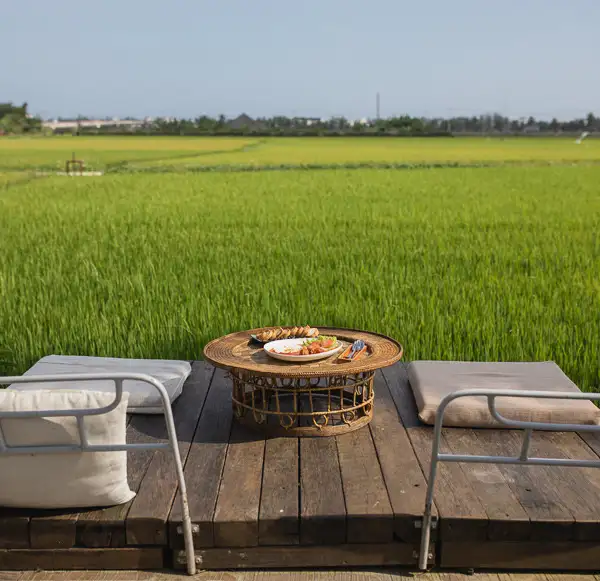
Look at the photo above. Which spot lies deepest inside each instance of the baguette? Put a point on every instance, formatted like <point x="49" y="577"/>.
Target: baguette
<point x="288" y="333"/>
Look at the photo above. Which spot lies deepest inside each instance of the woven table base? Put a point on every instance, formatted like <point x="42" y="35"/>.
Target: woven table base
<point x="303" y="406"/>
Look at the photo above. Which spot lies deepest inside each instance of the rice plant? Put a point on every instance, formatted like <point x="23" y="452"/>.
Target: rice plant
<point x="467" y="264"/>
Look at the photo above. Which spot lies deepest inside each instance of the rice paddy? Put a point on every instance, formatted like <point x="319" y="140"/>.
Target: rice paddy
<point x="100" y="152"/>
<point x="496" y="263"/>
<point x="180" y="153"/>
<point x="369" y="150"/>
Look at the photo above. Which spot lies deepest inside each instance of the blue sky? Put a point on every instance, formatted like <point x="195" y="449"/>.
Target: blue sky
<point x="302" y="57"/>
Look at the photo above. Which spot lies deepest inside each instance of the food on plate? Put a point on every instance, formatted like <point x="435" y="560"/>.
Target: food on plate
<point x="309" y="347"/>
<point x="287" y="333"/>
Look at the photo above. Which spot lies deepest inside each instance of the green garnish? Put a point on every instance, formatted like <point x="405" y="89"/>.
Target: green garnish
<point x="319" y="338"/>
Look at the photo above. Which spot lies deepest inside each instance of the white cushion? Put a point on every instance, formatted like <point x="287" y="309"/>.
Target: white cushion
<point x="431" y="381"/>
<point x="143" y="398"/>
<point x="62" y="480"/>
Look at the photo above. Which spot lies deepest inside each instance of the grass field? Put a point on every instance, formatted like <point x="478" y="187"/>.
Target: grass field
<point x="8" y="178"/>
<point x="487" y="263"/>
<point x="50" y="153"/>
<point x="387" y="150"/>
<point x="110" y="153"/>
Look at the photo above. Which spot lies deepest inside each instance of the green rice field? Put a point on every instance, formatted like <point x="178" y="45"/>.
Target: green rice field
<point x="487" y="263"/>
<point x="109" y="153"/>
<point x="100" y="153"/>
<point x="306" y="150"/>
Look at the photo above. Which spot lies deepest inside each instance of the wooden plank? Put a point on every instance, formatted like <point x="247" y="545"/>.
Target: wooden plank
<point x="463" y="577"/>
<point x="302" y="556"/>
<point x="535" y="555"/>
<point x="508" y="520"/>
<point x="54" y="529"/>
<point x="236" y="514"/>
<point x="396" y="378"/>
<point x="320" y="575"/>
<point x="523" y="577"/>
<point x="537" y="488"/>
<point x="89" y="576"/>
<point x="106" y="527"/>
<point x="462" y="514"/>
<point x="404" y="479"/>
<point x="12" y="576"/>
<point x="592" y="439"/>
<point x="578" y="487"/>
<point x="163" y="575"/>
<point x="278" y="522"/>
<point x="14" y="528"/>
<point x="204" y="465"/>
<point x="565" y="577"/>
<point x="68" y="559"/>
<point x="146" y="521"/>
<point x="370" y="518"/>
<point x="322" y="506"/>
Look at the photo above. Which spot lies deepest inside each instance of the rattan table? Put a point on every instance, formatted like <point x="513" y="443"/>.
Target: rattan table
<point x="320" y="398"/>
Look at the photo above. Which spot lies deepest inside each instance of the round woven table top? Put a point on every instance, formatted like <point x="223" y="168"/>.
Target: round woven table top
<point x="238" y="351"/>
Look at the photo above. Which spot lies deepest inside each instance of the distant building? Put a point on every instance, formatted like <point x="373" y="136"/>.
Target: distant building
<point x="56" y="125"/>
<point x="305" y="121"/>
<point x="243" y="121"/>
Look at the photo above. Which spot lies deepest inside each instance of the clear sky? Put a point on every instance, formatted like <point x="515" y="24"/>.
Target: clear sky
<point x="303" y="57"/>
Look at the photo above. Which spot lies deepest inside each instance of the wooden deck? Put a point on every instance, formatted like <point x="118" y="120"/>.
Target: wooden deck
<point x="351" y="500"/>
<point x="387" y="574"/>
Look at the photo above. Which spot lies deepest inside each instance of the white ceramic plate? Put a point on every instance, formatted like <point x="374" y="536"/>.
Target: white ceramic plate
<point x="279" y="345"/>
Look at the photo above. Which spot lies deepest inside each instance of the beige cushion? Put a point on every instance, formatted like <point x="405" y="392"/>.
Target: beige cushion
<point x="61" y="480"/>
<point x="431" y="381"/>
<point x="143" y="397"/>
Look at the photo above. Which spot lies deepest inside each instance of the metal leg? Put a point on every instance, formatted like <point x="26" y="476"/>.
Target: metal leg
<point x="427" y="518"/>
<point x="185" y="508"/>
<point x="425" y="537"/>
<point x="187" y="535"/>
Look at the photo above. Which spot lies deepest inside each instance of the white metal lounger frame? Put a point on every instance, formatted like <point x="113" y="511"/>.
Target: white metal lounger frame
<point x="85" y="446"/>
<point x="523" y="458"/>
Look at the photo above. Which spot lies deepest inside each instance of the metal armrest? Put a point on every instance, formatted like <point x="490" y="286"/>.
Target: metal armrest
<point x="85" y="446"/>
<point x="523" y="458"/>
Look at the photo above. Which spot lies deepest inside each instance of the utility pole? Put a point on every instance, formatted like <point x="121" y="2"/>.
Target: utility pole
<point x="377" y="106"/>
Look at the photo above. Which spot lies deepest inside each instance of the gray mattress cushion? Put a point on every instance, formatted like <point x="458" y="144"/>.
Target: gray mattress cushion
<point x="143" y="398"/>
<point x="431" y="381"/>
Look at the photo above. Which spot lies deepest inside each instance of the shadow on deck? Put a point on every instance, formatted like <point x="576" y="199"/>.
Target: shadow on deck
<point x="351" y="500"/>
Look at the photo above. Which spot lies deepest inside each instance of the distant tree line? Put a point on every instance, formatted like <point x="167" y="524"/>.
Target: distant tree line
<point x="407" y="125"/>
<point x="16" y="120"/>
